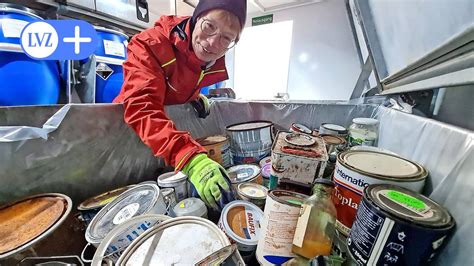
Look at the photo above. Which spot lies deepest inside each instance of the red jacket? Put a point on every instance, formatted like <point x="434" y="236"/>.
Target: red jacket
<point x="161" y="69"/>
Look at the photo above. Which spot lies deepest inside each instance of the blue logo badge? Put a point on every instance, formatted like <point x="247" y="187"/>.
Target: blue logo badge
<point x="59" y="40"/>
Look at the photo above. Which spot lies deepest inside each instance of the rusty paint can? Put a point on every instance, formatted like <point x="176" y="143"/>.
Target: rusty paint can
<point x="299" y="128"/>
<point x="334" y="143"/>
<point x="356" y="170"/>
<point x="298" y="158"/>
<point x="280" y="217"/>
<point x="218" y="149"/>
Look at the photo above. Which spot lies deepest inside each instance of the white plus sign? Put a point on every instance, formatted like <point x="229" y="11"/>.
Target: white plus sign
<point x="76" y="39"/>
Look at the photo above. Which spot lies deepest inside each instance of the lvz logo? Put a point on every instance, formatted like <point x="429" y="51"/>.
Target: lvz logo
<point x="59" y="39"/>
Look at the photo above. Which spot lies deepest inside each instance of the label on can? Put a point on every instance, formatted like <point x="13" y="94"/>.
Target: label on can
<point x="12" y="28"/>
<point x="114" y="48"/>
<point x="126" y="213"/>
<point x="408" y="205"/>
<point x="301" y="225"/>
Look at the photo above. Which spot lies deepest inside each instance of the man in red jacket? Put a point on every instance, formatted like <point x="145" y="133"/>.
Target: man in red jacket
<point x="169" y="64"/>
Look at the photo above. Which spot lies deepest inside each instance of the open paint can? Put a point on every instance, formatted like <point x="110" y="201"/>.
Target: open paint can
<point x="397" y="226"/>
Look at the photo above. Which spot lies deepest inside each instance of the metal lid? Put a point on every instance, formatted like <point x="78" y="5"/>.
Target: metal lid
<point x="171" y="179"/>
<point x="381" y="164"/>
<point x="218" y="257"/>
<point x="252" y="125"/>
<point x="301" y="128"/>
<point x="242" y="173"/>
<point x="101" y="200"/>
<point x="190" y="207"/>
<point x="339" y="129"/>
<point x="324" y="181"/>
<point x="266" y="160"/>
<point x="212" y="140"/>
<point x="365" y="121"/>
<point x="372" y="148"/>
<point x="288" y="197"/>
<point x="252" y="190"/>
<point x="242" y="221"/>
<point x="333" y="140"/>
<point x="25" y="222"/>
<point x="133" y="202"/>
<point x="409" y="206"/>
<point x="301" y="140"/>
<point x="182" y="240"/>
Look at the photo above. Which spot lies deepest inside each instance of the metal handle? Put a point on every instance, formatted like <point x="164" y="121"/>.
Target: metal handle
<point x="83" y="252"/>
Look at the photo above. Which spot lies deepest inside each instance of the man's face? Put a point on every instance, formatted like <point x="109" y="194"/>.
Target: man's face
<point x="213" y="33"/>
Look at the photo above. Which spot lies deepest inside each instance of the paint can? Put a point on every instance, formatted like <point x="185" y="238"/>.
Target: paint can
<point x="176" y="180"/>
<point x="218" y="149"/>
<point x="298" y="158"/>
<point x="299" y="128"/>
<point x="190" y="207"/>
<point x="333" y="129"/>
<point x="244" y="173"/>
<point x="119" y="238"/>
<point x="91" y="206"/>
<point x="169" y="197"/>
<point x="334" y="143"/>
<point x="357" y="169"/>
<point x="39" y="216"/>
<point x="141" y="199"/>
<point x="282" y="210"/>
<point x="251" y="141"/>
<point x="397" y="226"/>
<point x="241" y="222"/>
<point x="266" y="170"/>
<point x="254" y="193"/>
<point x="178" y="241"/>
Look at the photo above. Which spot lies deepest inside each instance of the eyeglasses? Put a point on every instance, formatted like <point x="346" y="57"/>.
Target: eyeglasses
<point x="208" y="28"/>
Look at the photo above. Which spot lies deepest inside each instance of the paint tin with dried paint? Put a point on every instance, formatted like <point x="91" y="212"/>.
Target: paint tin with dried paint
<point x="241" y="222"/>
<point x="254" y="193"/>
<point x="397" y="226"/>
<point x="280" y="217"/>
<point x="244" y="173"/>
<point x="298" y="158"/>
<point x="176" y="180"/>
<point x="357" y="169"/>
<point x="218" y="149"/>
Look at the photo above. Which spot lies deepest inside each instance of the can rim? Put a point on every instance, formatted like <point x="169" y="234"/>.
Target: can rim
<point x="421" y="174"/>
<point x="269" y="124"/>
<point x="296" y="195"/>
<point x="256" y="172"/>
<point x="166" y="180"/>
<point x="94" y="239"/>
<point x="228" y="229"/>
<point x="47" y="232"/>
<point x="167" y="224"/>
<point x="84" y="207"/>
<point x="334" y="127"/>
<point x="258" y="186"/>
<point x="201" y="140"/>
<point x="301" y="128"/>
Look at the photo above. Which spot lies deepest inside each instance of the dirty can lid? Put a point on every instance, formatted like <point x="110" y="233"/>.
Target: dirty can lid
<point x="298" y="139"/>
<point x="252" y="190"/>
<point x="242" y="173"/>
<point x="334" y="127"/>
<point x="409" y="205"/>
<point x="190" y="207"/>
<point x="101" y="200"/>
<point x="211" y="140"/>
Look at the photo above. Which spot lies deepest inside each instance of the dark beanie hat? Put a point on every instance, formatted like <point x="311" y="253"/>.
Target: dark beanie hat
<point x="236" y="7"/>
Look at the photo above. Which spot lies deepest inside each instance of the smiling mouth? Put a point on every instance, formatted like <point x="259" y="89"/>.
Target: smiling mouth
<point x="205" y="50"/>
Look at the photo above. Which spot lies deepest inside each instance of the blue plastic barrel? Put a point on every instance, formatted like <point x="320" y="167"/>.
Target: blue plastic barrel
<point x="23" y="81"/>
<point x="110" y="54"/>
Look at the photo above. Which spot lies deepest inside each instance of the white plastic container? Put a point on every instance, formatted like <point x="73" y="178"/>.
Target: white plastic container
<point x="178" y="181"/>
<point x="190" y="207"/>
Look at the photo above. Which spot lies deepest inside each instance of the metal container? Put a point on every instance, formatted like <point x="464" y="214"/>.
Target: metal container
<point x="119" y="238"/>
<point x="190" y="207"/>
<point x="176" y="180"/>
<point x="141" y="199"/>
<point x="244" y="173"/>
<point x="91" y="206"/>
<point x="299" y="128"/>
<point x="334" y="143"/>
<point x="282" y="210"/>
<point x="298" y="158"/>
<point x="178" y="241"/>
<point x="241" y="220"/>
<point x="169" y="198"/>
<point x="357" y="169"/>
<point x="397" y="226"/>
<point x="254" y="193"/>
<point x="28" y="221"/>
<point x="250" y="141"/>
<point x="218" y="149"/>
<point x="333" y="129"/>
<point x="266" y="170"/>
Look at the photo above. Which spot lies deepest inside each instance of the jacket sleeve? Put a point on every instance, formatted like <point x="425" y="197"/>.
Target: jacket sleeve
<point x="143" y="96"/>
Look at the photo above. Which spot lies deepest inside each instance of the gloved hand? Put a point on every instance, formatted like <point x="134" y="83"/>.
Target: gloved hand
<point x="201" y="106"/>
<point x="210" y="180"/>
